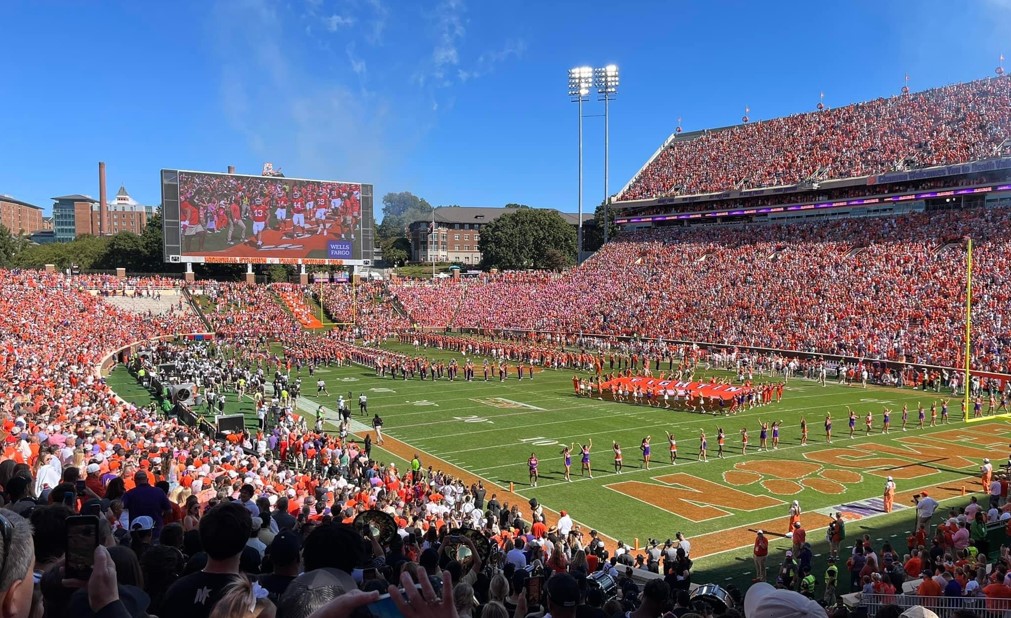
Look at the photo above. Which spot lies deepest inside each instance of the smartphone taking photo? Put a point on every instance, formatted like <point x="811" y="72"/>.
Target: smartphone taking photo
<point x="82" y="539"/>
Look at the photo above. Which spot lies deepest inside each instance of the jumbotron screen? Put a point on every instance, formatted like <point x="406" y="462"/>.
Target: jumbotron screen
<point x="238" y="219"/>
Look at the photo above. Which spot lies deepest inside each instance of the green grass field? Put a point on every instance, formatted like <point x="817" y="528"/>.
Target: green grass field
<point x="488" y="429"/>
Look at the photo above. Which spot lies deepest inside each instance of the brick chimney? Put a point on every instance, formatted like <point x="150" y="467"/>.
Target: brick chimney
<point x="231" y="169"/>
<point x="103" y="216"/>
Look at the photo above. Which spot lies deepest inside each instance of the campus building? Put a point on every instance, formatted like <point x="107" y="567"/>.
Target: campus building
<point x="457" y="232"/>
<point x="21" y="218"/>
<point x="79" y="215"/>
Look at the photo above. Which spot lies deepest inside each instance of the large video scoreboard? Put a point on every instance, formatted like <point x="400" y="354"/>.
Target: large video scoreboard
<point x="237" y="219"/>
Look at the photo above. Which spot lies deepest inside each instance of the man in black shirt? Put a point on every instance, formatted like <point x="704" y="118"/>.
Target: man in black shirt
<point x="479" y="494"/>
<point x="224" y="531"/>
<point x="285" y="554"/>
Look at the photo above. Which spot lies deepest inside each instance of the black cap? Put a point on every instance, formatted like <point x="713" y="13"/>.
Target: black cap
<point x="285" y="547"/>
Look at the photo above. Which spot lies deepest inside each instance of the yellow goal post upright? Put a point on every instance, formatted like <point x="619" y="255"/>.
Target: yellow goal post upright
<point x="968" y="332"/>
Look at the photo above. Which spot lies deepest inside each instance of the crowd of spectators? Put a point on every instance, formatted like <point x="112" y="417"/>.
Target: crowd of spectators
<point x="295" y="299"/>
<point x="951" y="124"/>
<point x="186" y="522"/>
<point x="244" y="311"/>
<point x="368" y="306"/>
<point x="889" y="289"/>
<point x="433" y="304"/>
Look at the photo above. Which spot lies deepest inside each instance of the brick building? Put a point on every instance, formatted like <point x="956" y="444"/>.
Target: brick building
<point x="458" y="230"/>
<point x="79" y="215"/>
<point x="21" y="218"/>
<point x="126" y="214"/>
<point x="72" y="217"/>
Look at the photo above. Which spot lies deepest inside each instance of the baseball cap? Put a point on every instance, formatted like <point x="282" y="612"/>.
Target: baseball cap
<point x="759" y="532"/>
<point x="918" y="611"/>
<point x="563" y="590"/>
<point x="143" y="522"/>
<point x="310" y="591"/>
<point x="92" y="468"/>
<point x="764" y="601"/>
<point x="17" y="485"/>
<point x="285" y="547"/>
<point x="789" y="553"/>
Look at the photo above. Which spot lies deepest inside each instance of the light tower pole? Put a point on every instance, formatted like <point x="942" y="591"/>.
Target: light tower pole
<point x="606" y="81"/>
<point x="580" y="81"/>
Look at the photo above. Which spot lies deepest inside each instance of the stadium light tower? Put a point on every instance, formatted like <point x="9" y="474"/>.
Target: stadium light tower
<point x="606" y="81"/>
<point x="580" y="81"/>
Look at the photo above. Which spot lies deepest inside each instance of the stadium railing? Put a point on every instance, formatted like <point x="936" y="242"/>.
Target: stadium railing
<point x="869" y="604"/>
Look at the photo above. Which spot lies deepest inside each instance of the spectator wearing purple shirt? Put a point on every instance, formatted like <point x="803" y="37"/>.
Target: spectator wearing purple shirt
<point x="147" y="500"/>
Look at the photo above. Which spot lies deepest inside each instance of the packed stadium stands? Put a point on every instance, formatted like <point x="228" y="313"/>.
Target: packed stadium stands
<point x="952" y="124"/>
<point x="878" y="288"/>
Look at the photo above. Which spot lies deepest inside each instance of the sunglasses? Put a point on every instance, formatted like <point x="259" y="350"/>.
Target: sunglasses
<point x="7" y="530"/>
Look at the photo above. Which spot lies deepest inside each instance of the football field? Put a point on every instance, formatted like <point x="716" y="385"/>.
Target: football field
<point x="487" y="430"/>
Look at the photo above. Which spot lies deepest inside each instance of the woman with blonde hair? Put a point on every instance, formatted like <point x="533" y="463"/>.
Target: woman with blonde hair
<point x="494" y="609"/>
<point x="464" y="600"/>
<point x="244" y="599"/>
<point x="498" y="589"/>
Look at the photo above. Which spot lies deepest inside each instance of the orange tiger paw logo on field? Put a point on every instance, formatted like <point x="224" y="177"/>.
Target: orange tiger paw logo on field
<point x="786" y="478"/>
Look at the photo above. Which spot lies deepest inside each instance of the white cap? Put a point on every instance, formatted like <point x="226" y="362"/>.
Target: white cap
<point x="764" y="601"/>
<point x="889" y="478"/>
<point x="918" y="611"/>
<point x="92" y="468"/>
<point x="985" y="460"/>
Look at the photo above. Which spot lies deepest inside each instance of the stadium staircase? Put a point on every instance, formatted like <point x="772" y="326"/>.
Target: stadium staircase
<point x="855" y="251"/>
<point x="196" y="308"/>
<point x="396" y="302"/>
<point x="459" y="307"/>
<point x="947" y="245"/>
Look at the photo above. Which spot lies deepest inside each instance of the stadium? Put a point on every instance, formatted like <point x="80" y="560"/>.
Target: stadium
<point x="779" y="388"/>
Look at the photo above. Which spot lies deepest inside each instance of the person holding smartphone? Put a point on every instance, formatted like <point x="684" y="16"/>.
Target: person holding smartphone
<point x="18" y="559"/>
<point x="452" y="541"/>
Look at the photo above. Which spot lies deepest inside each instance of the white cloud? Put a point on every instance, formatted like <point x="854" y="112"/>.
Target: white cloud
<point x="336" y="22"/>
<point x="513" y="48"/>
<point x="449" y="31"/>
<point x="357" y="64"/>
<point x="380" y="13"/>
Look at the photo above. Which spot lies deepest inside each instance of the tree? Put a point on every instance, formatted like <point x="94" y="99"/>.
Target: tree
<point x="528" y="238"/>
<point x="11" y="247"/>
<point x="399" y="211"/>
<point x="395" y="256"/>
<point x="556" y="260"/>
<point x="397" y="251"/>
<point x="398" y="204"/>
<point x="593" y="230"/>
<point x="124" y="250"/>
<point x="511" y="205"/>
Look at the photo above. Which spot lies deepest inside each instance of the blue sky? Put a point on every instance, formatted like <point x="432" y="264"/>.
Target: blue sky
<point x="458" y="101"/>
